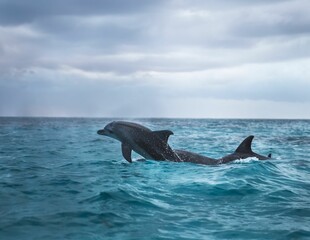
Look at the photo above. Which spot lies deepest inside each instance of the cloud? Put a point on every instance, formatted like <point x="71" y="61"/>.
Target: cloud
<point x="121" y="55"/>
<point x="14" y="12"/>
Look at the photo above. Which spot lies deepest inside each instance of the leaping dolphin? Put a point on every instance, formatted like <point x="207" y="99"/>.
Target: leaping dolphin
<point x="149" y="144"/>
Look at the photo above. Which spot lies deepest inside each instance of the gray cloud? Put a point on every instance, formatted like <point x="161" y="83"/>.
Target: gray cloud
<point x="14" y="12"/>
<point x="124" y="54"/>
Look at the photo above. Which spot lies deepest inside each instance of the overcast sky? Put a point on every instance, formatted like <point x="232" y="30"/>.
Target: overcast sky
<point x="163" y="58"/>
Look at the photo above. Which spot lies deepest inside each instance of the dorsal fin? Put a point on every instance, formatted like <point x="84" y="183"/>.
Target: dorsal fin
<point x="163" y="134"/>
<point x="126" y="151"/>
<point x="245" y="146"/>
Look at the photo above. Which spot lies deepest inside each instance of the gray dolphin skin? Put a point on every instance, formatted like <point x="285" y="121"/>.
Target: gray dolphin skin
<point x="149" y="144"/>
<point x="243" y="151"/>
<point x="187" y="156"/>
<point x="154" y="145"/>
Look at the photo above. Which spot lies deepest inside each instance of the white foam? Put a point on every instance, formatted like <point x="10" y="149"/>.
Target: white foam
<point x="246" y="160"/>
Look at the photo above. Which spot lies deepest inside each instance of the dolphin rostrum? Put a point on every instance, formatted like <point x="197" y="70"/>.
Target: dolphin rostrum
<point x="149" y="144"/>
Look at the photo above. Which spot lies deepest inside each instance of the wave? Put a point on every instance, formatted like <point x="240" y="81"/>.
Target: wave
<point x="75" y="185"/>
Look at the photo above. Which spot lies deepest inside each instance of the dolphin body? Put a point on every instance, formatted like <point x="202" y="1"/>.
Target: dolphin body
<point x="149" y="144"/>
<point x="154" y="145"/>
<point x="244" y="150"/>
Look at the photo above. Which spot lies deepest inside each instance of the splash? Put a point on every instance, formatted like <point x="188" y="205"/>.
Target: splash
<point x="247" y="160"/>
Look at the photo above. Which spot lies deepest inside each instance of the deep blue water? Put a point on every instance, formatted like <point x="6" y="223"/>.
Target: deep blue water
<point x="60" y="180"/>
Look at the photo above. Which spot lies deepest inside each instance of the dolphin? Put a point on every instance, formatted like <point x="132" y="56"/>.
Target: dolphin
<point x="149" y="144"/>
<point x="154" y="145"/>
<point x="244" y="150"/>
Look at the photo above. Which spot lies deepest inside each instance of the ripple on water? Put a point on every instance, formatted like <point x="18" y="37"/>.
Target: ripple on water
<point x="75" y="184"/>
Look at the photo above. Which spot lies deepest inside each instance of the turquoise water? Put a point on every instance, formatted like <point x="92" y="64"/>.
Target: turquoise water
<point x="60" y="180"/>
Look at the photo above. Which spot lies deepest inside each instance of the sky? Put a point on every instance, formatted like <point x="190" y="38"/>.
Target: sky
<point x="163" y="58"/>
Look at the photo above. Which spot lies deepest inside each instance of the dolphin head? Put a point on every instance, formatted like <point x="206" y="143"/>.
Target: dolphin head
<point x="111" y="130"/>
<point x="121" y="130"/>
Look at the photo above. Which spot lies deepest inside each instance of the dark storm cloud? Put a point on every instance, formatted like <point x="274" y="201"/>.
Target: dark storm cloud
<point x="19" y="12"/>
<point x="223" y="4"/>
<point x="105" y="35"/>
<point x="153" y="30"/>
<point x="264" y="22"/>
<point x="132" y="53"/>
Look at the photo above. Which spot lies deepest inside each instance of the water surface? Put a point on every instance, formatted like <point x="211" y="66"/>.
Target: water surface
<point x="60" y="180"/>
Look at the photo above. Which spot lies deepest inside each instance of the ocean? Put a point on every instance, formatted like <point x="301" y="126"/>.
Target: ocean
<point x="60" y="180"/>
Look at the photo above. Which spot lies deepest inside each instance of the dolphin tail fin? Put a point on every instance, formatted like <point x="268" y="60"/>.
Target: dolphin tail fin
<point x="269" y="155"/>
<point x="245" y="146"/>
<point x="163" y="134"/>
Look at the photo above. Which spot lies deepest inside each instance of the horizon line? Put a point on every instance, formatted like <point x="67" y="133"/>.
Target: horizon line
<point x="194" y="118"/>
